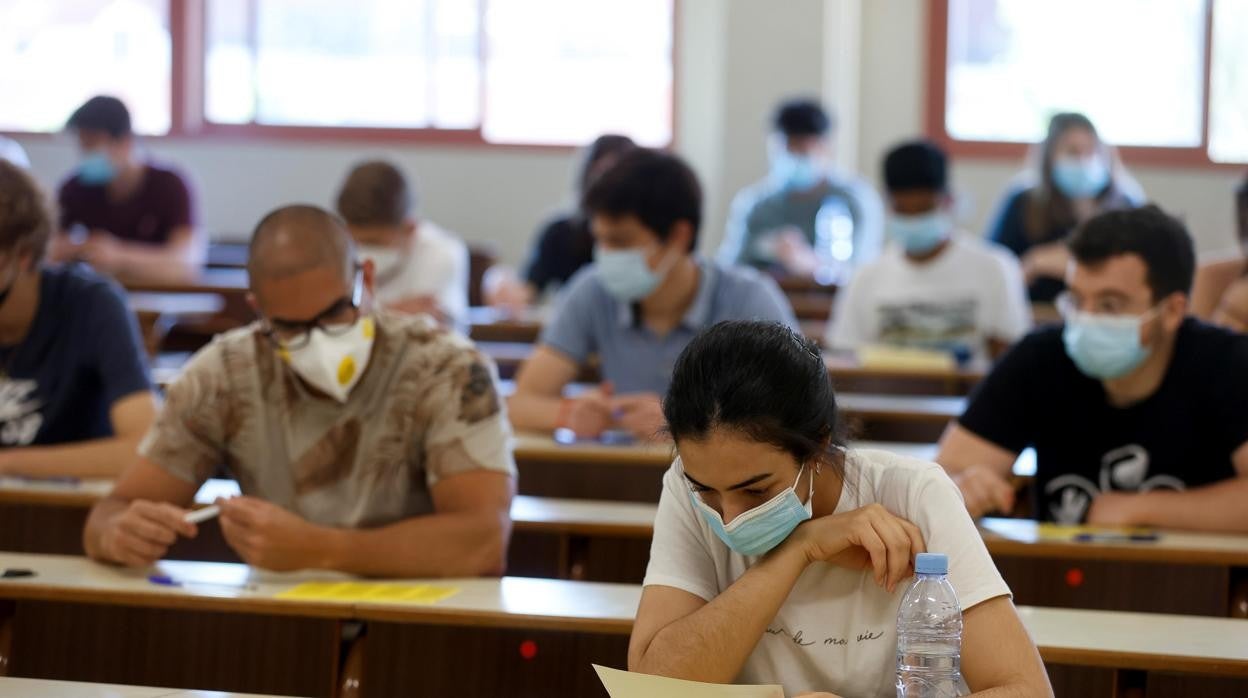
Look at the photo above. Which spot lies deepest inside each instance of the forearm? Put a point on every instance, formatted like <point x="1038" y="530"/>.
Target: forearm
<point x="713" y="643"/>
<point x="533" y="412"/>
<point x="175" y="261"/>
<point x="467" y="544"/>
<point x="100" y="458"/>
<point x="1218" y="507"/>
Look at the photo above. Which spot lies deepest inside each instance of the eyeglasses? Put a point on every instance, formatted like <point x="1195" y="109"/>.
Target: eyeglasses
<point x="336" y="320"/>
<point x="1068" y="306"/>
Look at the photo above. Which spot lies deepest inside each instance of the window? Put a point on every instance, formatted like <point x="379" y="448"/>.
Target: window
<point x="69" y="51"/>
<point x="532" y="72"/>
<point x="1163" y="78"/>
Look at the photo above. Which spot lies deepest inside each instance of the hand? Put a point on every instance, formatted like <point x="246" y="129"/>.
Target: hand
<point x="640" y="413"/>
<point x="984" y="490"/>
<point x="415" y="305"/>
<point x="1045" y="261"/>
<point x="501" y="288"/>
<point x="590" y="412"/>
<point x="266" y="535"/>
<point x="102" y="251"/>
<point x="1118" y="509"/>
<point x="142" y="533"/>
<point x="794" y="252"/>
<point x="868" y="538"/>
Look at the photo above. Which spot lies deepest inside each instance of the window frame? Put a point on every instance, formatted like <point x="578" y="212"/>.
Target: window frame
<point x="936" y="79"/>
<point x="188" y="120"/>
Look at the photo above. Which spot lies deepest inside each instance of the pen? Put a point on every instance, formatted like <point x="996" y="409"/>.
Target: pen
<point x="1116" y="538"/>
<point x="201" y="515"/>
<point x="165" y="580"/>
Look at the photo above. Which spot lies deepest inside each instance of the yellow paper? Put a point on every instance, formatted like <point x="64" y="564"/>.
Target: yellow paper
<point x="624" y="684"/>
<point x="891" y="358"/>
<point x="369" y="592"/>
<point x="1052" y="531"/>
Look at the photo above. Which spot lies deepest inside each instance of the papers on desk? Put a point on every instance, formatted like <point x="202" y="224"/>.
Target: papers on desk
<point x="1028" y="531"/>
<point x="624" y="684"/>
<point x="370" y="592"/>
<point x="887" y="358"/>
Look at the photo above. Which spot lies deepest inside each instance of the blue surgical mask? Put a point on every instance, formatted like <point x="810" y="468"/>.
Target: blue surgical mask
<point x="1105" y="347"/>
<point x="922" y="233"/>
<point x="1081" y="178"/>
<point x="626" y="275"/>
<point x="759" y="530"/>
<point x="794" y="172"/>
<point x="96" y="169"/>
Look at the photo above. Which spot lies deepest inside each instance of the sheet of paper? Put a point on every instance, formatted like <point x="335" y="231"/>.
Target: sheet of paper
<point x="375" y="592"/>
<point x="625" y="684"/>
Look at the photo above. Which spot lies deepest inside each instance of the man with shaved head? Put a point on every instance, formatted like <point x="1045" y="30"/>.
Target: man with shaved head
<point x="362" y="441"/>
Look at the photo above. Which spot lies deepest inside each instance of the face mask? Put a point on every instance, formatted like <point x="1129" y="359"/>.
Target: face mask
<point x="1081" y="178"/>
<point x="388" y="262"/>
<point x="333" y="363"/>
<point x="794" y="172"/>
<point x="1105" y="347"/>
<point x="626" y="275"/>
<point x="96" y="169"/>
<point x="922" y="233"/>
<point x="759" y="530"/>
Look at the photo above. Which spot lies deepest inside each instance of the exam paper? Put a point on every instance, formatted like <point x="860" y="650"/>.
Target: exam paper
<point x="377" y="592"/>
<point x="625" y="684"/>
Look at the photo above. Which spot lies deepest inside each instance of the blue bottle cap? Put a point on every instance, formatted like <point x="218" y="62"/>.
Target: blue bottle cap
<point x="931" y="563"/>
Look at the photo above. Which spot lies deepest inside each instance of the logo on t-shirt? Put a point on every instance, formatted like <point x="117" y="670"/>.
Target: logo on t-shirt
<point x="1123" y="469"/>
<point x="929" y="324"/>
<point x="20" y="418"/>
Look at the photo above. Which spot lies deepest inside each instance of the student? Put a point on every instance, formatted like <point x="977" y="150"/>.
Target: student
<point x="933" y="288"/>
<point x="12" y="151"/>
<point x="363" y="442"/>
<point x="75" y="397"/>
<point x="120" y="213"/>
<point x="1080" y="176"/>
<point x="420" y="267"/>
<point x="771" y="224"/>
<point x="780" y="556"/>
<point x="564" y="244"/>
<point x="1136" y="412"/>
<point x="637" y="306"/>
<point x="1220" y="292"/>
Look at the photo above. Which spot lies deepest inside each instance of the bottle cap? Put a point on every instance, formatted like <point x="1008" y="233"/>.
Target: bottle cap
<point x="931" y="563"/>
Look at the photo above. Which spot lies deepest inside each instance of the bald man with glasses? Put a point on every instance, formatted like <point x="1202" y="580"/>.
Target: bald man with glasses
<point x="362" y="442"/>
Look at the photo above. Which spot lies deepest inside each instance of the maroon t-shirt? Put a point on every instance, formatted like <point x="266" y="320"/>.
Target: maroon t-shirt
<point x="161" y="205"/>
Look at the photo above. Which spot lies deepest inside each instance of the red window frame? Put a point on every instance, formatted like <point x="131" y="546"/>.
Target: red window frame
<point x="937" y="71"/>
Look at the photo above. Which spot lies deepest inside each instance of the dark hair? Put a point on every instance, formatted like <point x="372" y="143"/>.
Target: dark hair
<point x="802" y="117"/>
<point x="375" y="194"/>
<point x="759" y="379"/>
<point x="1161" y="240"/>
<point x="656" y="187"/>
<point x="25" y="214"/>
<point x="608" y="145"/>
<point x="916" y="165"/>
<point x="102" y="113"/>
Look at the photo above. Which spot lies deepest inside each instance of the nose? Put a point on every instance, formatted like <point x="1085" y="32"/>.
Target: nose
<point x="730" y="511"/>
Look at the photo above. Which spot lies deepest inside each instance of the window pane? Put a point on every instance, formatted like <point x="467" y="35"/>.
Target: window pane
<point x="604" y="66"/>
<point x="1228" y="106"/>
<point x="1013" y="63"/>
<point x="70" y="50"/>
<point x="368" y="63"/>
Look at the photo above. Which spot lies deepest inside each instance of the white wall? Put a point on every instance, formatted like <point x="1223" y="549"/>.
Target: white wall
<point x="736" y="58"/>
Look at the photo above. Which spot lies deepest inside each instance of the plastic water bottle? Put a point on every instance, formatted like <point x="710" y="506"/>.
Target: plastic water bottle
<point x="929" y="634"/>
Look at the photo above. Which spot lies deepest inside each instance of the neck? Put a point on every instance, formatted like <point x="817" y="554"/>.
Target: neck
<point x="1141" y="383"/>
<point x="664" y="309"/>
<point x="18" y="312"/>
<point x="925" y="257"/>
<point x="128" y="179"/>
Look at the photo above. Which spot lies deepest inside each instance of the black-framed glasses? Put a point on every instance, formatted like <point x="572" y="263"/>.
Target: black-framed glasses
<point x="336" y="320"/>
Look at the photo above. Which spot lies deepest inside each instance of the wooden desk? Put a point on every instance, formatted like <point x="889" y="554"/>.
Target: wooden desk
<point x="228" y="284"/>
<point x="492" y="325"/>
<point x="920" y="419"/>
<point x="218" y="281"/>
<point x="159" y="312"/>
<point x="40" y="688"/>
<point x="848" y="375"/>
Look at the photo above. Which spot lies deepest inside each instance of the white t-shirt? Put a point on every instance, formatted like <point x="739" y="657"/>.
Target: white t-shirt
<point x="972" y="291"/>
<point x="435" y="265"/>
<point x="837" y="630"/>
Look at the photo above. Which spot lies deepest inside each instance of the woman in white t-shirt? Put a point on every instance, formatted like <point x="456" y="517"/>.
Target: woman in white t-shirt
<point x="781" y="557"/>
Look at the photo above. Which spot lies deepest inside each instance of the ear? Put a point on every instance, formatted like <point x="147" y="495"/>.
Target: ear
<point x="680" y="238"/>
<point x="1173" y="311"/>
<point x="369" y="271"/>
<point x="411" y="227"/>
<point x="254" y="304"/>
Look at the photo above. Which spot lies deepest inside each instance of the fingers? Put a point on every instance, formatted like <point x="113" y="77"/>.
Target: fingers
<point x="166" y="515"/>
<point x="870" y="540"/>
<point x="238" y="538"/>
<point x="899" y="553"/>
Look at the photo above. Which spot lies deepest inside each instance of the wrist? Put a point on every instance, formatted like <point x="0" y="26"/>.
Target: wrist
<point x="333" y="551"/>
<point x="563" y="415"/>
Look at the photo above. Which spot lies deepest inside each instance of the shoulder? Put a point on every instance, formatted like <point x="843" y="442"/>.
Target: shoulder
<point x="166" y="177"/>
<point x="434" y="240"/>
<point x="420" y="339"/>
<point x="70" y="187"/>
<point x="1215" y="346"/>
<point x="985" y="252"/>
<point x="78" y="287"/>
<point x="732" y="279"/>
<point x="558" y="226"/>
<point x="585" y="288"/>
<point x="893" y="480"/>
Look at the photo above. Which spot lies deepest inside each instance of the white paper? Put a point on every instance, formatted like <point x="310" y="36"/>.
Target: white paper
<point x="625" y="684"/>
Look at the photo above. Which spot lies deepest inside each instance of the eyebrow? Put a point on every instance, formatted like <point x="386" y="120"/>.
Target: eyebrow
<point x="740" y="485"/>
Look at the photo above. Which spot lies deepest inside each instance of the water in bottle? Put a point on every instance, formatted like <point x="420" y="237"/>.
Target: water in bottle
<point x="929" y="634"/>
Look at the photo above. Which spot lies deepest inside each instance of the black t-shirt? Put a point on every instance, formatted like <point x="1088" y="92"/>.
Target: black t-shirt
<point x="1180" y="437"/>
<point x="81" y="355"/>
<point x="564" y="245"/>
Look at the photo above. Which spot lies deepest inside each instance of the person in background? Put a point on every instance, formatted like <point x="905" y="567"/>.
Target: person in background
<point x="12" y="151"/>
<point x="564" y="244"/>
<point x="75" y="396"/>
<point x="1220" y="292"/>
<point x="364" y="442"/>
<point x="1080" y="176"/>
<point x="1136" y="411"/>
<point x="933" y="288"/>
<point x="637" y="306"/>
<point x="124" y="215"/>
<point x="771" y="224"/>
<point x="775" y="545"/>
<point x="420" y="268"/>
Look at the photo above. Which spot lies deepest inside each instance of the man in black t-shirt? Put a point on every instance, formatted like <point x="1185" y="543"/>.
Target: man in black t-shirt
<point x="1138" y="413"/>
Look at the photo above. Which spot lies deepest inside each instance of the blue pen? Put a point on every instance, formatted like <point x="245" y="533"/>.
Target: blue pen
<point x="165" y="580"/>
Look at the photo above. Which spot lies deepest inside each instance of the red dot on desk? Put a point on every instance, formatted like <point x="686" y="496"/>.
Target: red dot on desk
<point x="1074" y="577"/>
<point x="528" y="649"/>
